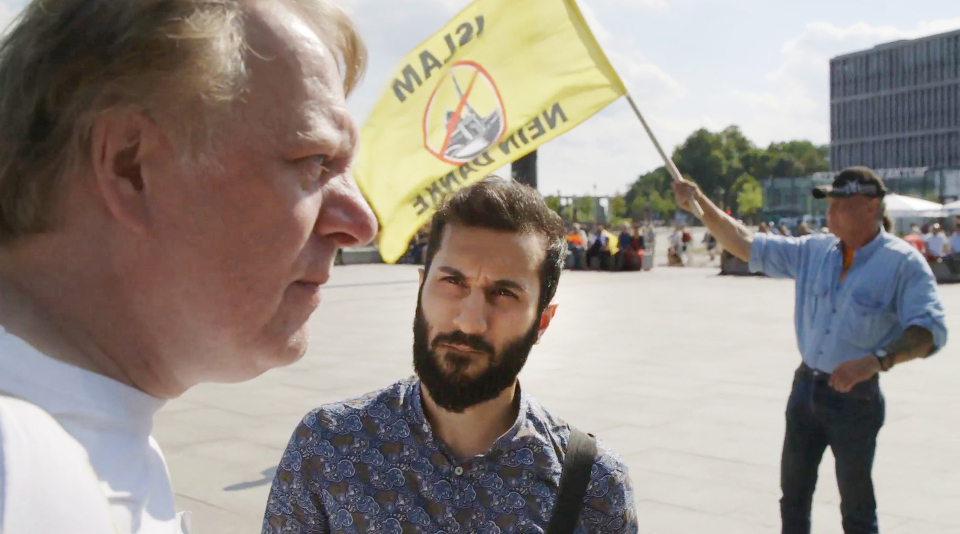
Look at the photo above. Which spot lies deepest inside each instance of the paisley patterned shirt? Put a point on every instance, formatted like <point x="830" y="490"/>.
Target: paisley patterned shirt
<point x="372" y="464"/>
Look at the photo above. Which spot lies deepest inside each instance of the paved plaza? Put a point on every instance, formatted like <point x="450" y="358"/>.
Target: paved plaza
<point x="683" y="372"/>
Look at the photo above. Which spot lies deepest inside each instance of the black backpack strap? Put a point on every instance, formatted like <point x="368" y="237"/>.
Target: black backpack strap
<point x="574" y="478"/>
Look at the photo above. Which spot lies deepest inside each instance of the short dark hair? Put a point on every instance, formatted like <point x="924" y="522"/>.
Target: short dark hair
<point x="498" y="204"/>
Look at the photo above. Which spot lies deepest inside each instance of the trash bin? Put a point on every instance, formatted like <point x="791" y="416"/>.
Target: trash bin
<point x="648" y="260"/>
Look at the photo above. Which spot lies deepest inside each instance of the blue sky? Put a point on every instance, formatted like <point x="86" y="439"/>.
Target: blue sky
<point x="759" y="64"/>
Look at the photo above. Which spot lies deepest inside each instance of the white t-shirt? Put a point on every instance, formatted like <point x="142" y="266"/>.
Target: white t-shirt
<point x="46" y="482"/>
<point x="111" y="425"/>
<point x="935" y="245"/>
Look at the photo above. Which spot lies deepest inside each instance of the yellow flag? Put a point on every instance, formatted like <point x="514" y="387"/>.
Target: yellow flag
<point x="502" y="78"/>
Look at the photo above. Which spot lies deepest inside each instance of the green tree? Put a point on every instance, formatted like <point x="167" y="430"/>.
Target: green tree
<point x="797" y="158"/>
<point x="639" y="207"/>
<point x="663" y="204"/>
<point x="583" y="208"/>
<point x="738" y="186"/>
<point x="717" y="161"/>
<point x="750" y="198"/>
<point x="638" y="196"/>
<point x="618" y="208"/>
<point x="553" y="203"/>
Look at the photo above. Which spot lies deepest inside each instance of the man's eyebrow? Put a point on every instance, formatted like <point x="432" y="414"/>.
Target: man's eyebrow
<point x="451" y="270"/>
<point x="510" y="284"/>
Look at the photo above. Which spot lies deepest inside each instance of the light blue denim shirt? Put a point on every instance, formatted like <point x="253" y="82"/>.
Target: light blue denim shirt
<point x="889" y="287"/>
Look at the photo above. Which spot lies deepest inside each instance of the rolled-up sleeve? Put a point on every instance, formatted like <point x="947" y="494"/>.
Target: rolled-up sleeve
<point x="776" y="256"/>
<point x="919" y="301"/>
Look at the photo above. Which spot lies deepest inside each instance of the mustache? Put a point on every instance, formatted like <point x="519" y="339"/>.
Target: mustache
<point x="458" y="337"/>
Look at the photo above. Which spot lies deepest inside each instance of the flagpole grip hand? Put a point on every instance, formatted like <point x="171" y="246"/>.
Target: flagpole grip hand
<point x="687" y="193"/>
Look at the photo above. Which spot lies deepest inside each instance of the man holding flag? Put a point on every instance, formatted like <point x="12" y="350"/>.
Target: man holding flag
<point x="866" y="302"/>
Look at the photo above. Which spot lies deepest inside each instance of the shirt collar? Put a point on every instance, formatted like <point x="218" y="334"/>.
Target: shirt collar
<point x="867" y="251"/>
<point x="64" y="390"/>
<point x="509" y="441"/>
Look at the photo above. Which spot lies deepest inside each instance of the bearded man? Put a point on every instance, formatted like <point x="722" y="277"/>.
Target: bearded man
<point x="460" y="447"/>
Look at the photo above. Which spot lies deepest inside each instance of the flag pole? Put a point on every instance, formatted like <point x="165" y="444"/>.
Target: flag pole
<point x="671" y="167"/>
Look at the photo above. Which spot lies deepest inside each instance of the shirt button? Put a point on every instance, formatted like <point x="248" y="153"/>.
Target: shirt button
<point x="828" y="332"/>
<point x="458" y="471"/>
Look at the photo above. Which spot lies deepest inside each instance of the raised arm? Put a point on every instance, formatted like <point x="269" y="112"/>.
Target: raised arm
<point x="732" y="235"/>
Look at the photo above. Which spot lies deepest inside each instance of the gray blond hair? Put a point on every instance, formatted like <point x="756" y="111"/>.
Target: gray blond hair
<point x="65" y="62"/>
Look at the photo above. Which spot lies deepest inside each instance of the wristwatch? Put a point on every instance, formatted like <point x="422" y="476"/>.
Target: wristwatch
<point x="885" y="359"/>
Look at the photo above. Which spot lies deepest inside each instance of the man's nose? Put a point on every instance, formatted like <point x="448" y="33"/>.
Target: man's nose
<point x="345" y="215"/>
<point x="472" y="317"/>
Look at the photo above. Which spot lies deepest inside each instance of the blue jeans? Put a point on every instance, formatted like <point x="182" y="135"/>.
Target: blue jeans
<point x="818" y="416"/>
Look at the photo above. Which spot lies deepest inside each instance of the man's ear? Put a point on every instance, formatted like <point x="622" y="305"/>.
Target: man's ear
<point x="120" y="141"/>
<point x="545" y="318"/>
<point x="423" y="275"/>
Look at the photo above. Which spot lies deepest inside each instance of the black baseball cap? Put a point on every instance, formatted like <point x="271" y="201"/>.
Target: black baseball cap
<point x="853" y="181"/>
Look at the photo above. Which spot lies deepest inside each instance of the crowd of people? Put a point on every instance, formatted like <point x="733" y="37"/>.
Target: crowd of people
<point x="600" y="249"/>
<point x="935" y="244"/>
<point x="595" y="247"/>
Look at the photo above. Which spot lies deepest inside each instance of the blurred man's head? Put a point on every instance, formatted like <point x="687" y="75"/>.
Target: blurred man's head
<point x="188" y="166"/>
<point x="855" y="203"/>
<point x="494" y="260"/>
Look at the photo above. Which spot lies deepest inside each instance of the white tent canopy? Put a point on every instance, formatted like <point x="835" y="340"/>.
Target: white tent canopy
<point x="903" y="206"/>
<point x="952" y="208"/>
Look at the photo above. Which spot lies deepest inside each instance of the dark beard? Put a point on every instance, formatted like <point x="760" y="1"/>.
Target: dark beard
<point x="452" y="391"/>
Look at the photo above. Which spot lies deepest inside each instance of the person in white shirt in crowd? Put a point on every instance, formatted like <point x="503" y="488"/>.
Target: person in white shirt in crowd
<point x="173" y="191"/>
<point x="952" y="258"/>
<point x="936" y="244"/>
<point x="677" y="248"/>
<point x="650" y="239"/>
<point x="955" y="237"/>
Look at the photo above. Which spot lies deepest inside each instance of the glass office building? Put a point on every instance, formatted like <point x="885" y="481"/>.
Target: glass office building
<point x="897" y="105"/>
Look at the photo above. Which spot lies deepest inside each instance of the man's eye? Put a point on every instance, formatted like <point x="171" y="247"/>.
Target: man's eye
<point x="453" y="280"/>
<point x="322" y="163"/>
<point x="505" y="293"/>
<point x="322" y="166"/>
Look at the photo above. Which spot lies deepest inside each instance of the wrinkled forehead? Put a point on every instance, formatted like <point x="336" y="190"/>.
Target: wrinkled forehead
<point x="492" y="254"/>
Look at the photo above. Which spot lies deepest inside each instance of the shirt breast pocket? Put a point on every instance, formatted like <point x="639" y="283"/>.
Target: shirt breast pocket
<point x="868" y="321"/>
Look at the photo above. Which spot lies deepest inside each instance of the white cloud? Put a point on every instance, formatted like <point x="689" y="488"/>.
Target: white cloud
<point x="646" y="81"/>
<point x="796" y="102"/>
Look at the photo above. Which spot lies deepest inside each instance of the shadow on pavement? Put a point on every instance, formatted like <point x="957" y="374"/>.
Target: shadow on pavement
<point x="267" y="479"/>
